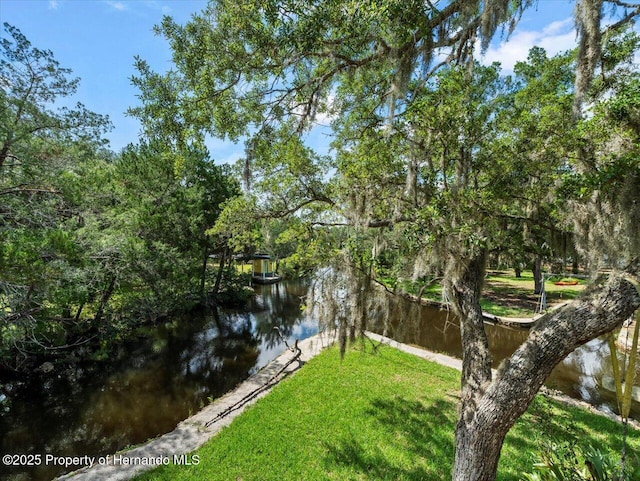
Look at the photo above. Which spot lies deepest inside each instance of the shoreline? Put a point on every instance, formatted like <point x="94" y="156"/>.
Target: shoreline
<point x="521" y="323"/>
<point x="196" y="430"/>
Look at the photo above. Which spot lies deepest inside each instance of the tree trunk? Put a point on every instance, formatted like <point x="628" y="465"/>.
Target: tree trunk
<point x="477" y="450"/>
<point x="465" y="288"/>
<point x="537" y="275"/>
<point x="216" y="286"/>
<point x="79" y="311"/>
<point x="575" y="266"/>
<point x="491" y="408"/>
<point x="203" y="272"/>
<point x="230" y="261"/>
<point x="4" y="153"/>
<point x="106" y="295"/>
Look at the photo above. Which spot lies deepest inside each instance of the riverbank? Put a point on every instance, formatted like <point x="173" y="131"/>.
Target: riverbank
<point x="511" y="322"/>
<point x="388" y="416"/>
<point x="149" y="385"/>
<point x="385" y="416"/>
<point x="194" y="431"/>
<point x="507" y="300"/>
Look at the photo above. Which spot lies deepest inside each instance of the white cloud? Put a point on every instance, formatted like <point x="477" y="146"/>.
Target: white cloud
<point x="53" y="4"/>
<point x="230" y="159"/>
<point x="224" y="152"/>
<point x="558" y="27"/>
<point x="556" y="37"/>
<point x="116" y="5"/>
<point x="156" y="5"/>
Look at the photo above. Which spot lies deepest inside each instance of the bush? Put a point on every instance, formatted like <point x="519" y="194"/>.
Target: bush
<point x="569" y="462"/>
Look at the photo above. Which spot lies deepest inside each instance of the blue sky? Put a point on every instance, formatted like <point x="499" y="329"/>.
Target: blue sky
<point x="98" y="40"/>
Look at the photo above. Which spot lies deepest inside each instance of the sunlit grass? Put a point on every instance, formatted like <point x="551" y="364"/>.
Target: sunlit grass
<point x="506" y="295"/>
<point x="240" y="266"/>
<point x="384" y="416"/>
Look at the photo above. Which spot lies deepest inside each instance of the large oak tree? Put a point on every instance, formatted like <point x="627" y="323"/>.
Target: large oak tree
<point x="420" y="157"/>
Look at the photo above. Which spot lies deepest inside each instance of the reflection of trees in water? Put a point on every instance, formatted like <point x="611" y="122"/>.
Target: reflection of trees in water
<point x="279" y="307"/>
<point x="43" y="414"/>
<point x="337" y="300"/>
<point x="503" y="341"/>
<point x="425" y="326"/>
<point x="346" y="301"/>
<point x="343" y="299"/>
<point x="155" y="382"/>
<point x="148" y="387"/>
<point x="585" y="372"/>
<point x="224" y="351"/>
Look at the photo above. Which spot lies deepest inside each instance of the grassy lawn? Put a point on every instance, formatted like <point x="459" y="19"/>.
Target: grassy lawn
<point x="506" y="295"/>
<point x="244" y="267"/>
<point x="240" y="266"/>
<point x="388" y="416"/>
<point x="511" y="296"/>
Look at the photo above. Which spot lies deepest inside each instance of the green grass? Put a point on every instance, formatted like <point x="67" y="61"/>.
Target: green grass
<point x="506" y="295"/>
<point x="244" y="267"/>
<point x="241" y="267"/>
<point x="389" y="416"/>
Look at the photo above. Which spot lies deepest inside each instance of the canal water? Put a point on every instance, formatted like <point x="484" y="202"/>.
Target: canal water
<point x="581" y="375"/>
<point x="98" y="408"/>
<point x="153" y="383"/>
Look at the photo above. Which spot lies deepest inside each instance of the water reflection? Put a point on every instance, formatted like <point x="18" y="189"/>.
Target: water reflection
<point x="581" y="375"/>
<point x="150" y="385"/>
<point x="587" y="374"/>
<point x="96" y="408"/>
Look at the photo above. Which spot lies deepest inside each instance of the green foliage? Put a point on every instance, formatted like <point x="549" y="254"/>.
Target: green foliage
<point x="237" y="224"/>
<point x="604" y="187"/>
<point x="569" y="462"/>
<point x="33" y="82"/>
<point x="235" y="288"/>
<point x="43" y="269"/>
<point x="433" y="167"/>
<point x="167" y="201"/>
<point x="268" y="70"/>
<point x="92" y="243"/>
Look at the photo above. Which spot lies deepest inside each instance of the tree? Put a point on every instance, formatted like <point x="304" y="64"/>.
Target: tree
<point x="168" y="199"/>
<point x="419" y="154"/>
<point x="538" y="138"/>
<point x="32" y="82"/>
<point x="42" y="149"/>
<point x="92" y="243"/>
<point x="604" y="188"/>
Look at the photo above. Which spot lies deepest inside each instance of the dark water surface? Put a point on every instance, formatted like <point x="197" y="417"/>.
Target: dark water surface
<point x="581" y="375"/>
<point x="97" y="408"/>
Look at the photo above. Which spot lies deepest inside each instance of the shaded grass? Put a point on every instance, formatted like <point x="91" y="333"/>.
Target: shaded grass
<point x="388" y="416"/>
<point x="510" y="296"/>
<point x="506" y="295"/>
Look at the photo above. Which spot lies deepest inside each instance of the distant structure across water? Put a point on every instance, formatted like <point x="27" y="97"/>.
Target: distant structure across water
<point x="264" y="270"/>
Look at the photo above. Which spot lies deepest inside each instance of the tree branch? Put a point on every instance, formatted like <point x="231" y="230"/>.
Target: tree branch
<point x="555" y="336"/>
<point x="29" y="190"/>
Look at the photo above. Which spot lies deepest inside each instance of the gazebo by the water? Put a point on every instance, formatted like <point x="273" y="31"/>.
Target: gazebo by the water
<point x="264" y="270"/>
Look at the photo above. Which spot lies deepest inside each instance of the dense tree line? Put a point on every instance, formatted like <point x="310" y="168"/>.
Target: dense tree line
<point x="439" y="163"/>
<point x="92" y="243"/>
